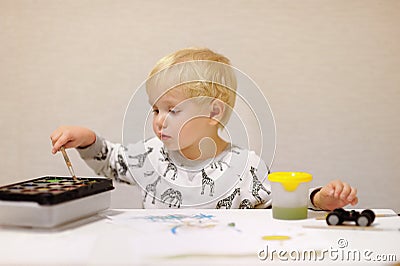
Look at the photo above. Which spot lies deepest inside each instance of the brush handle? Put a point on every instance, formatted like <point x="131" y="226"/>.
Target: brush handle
<point x="68" y="162"/>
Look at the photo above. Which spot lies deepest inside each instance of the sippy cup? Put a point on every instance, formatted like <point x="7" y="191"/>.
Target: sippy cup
<point x="289" y="195"/>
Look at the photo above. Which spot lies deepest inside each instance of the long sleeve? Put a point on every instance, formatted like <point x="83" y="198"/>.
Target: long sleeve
<point x="107" y="159"/>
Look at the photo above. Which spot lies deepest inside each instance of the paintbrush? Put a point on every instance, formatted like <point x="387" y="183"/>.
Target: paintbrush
<point x="68" y="162"/>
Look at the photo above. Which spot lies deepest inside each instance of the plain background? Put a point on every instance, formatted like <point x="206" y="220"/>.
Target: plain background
<point x="329" y="69"/>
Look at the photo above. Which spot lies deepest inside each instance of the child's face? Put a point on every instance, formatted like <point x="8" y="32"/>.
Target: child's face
<point x="180" y="122"/>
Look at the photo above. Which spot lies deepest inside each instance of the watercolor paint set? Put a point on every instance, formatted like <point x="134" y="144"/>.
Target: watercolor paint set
<point x="50" y="201"/>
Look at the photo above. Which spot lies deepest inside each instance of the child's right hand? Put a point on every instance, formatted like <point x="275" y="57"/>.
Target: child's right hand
<point x="71" y="137"/>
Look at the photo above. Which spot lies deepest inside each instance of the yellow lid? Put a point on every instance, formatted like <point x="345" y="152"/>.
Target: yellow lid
<point x="290" y="180"/>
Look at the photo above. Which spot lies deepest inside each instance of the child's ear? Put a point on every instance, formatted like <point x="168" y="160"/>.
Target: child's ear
<point x="217" y="109"/>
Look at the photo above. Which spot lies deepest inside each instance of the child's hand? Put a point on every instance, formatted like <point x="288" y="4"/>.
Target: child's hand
<point x="71" y="137"/>
<point x="336" y="194"/>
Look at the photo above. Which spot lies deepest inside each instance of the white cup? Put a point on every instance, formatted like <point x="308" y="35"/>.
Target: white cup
<point x="289" y="195"/>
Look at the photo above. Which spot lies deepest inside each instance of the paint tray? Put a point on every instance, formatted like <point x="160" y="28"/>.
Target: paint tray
<point x="49" y="201"/>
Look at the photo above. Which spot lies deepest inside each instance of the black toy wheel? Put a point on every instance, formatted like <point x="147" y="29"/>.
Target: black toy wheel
<point x="369" y="213"/>
<point x="334" y="218"/>
<point x="363" y="220"/>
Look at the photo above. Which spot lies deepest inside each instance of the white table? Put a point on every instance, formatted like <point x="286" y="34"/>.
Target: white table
<point x="200" y="237"/>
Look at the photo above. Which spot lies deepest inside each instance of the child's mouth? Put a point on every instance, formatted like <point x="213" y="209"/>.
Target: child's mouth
<point x="164" y="137"/>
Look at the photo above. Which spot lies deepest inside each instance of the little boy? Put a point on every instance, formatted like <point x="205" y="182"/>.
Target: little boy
<point x="188" y="164"/>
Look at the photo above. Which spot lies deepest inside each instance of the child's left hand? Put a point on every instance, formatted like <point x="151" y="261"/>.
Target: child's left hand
<point x="336" y="194"/>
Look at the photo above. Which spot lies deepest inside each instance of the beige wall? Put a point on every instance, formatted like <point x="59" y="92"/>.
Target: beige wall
<point x="330" y="70"/>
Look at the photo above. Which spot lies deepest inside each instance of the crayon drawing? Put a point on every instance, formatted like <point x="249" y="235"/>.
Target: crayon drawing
<point x="178" y="223"/>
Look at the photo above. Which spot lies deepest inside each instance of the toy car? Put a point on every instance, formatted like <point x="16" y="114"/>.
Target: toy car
<point x="338" y="216"/>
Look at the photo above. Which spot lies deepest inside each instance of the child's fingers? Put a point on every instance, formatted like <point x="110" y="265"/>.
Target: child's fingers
<point x="352" y="198"/>
<point x="346" y="190"/>
<point x="354" y="201"/>
<point x="337" y="194"/>
<point x="62" y="140"/>
<point x="352" y="195"/>
<point x="338" y="187"/>
<point x="56" y="146"/>
<point x="328" y="190"/>
<point x="55" y="136"/>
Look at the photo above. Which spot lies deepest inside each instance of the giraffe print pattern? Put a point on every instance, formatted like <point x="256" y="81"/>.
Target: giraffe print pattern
<point x="214" y="165"/>
<point x="214" y="181"/>
<point x="206" y="181"/>
<point x="141" y="158"/>
<point x="227" y="202"/>
<point x="257" y="185"/>
<point x="122" y="169"/>
<point x="246" y="204"/>
<point x="102" y="155"/>
<point x="173" y="196"/>
<point x="151" y="188"/>
<point x="171" y="166"/>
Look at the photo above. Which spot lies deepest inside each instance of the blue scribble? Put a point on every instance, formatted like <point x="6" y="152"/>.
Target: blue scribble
<point x="178" y="220"/>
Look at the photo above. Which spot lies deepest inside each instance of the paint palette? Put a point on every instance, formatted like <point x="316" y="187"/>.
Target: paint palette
<point x="51" y="190"/>
<point x="52" y="200"/>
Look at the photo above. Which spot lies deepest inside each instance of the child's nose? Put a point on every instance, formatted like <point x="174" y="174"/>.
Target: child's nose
<point x="161" y="121"/>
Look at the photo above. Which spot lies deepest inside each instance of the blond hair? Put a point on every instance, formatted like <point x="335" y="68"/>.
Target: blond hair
<point x="201" y="71"/>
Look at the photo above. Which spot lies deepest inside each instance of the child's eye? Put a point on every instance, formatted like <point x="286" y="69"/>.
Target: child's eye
<point x="155" y="111"/>
<point x="173" y="111"/>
